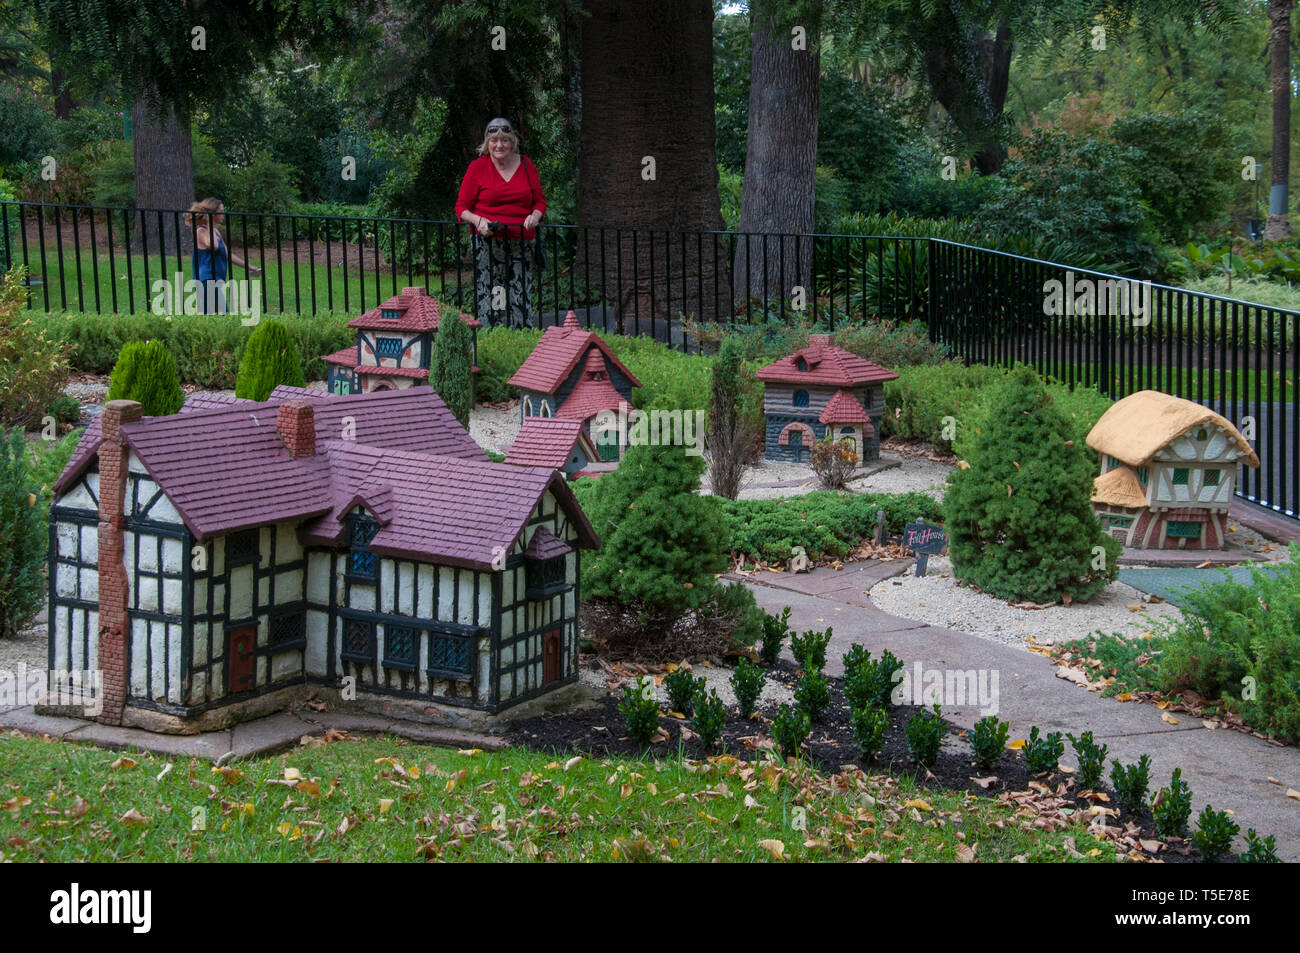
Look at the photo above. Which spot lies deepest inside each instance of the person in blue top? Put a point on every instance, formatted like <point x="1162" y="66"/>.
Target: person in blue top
<point x="212" y="256"/>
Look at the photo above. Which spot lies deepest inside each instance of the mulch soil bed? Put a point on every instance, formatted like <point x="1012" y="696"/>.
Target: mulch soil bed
<point x="599" y="731"/>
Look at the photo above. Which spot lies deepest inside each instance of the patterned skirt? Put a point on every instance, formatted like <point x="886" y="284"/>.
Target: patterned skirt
<point x="503" y="281"/>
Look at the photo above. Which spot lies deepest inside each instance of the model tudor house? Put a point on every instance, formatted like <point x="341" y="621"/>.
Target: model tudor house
<point x="1168" y="468"/>
<point x="394" y="348"/>
<point x="215" y="562"/>
<point x="553" y="442"/>
<point x="572" y="374"/>
<point x="821" y="391"/>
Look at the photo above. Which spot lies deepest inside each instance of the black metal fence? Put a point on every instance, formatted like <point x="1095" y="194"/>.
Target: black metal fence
<point x="1079" y="326"/>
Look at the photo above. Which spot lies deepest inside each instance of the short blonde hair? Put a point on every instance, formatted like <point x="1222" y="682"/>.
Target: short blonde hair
<point x="511" y="135"/>
<point x="203" y="211"/>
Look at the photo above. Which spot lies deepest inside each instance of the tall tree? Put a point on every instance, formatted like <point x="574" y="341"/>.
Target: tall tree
<point x="1279" y="41"/>
<point x="173" y="59"/>
<point x="781" y="154"/>
<point x="646" y="155"/>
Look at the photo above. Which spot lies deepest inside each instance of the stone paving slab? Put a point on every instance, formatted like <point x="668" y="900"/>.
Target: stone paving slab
<point x="211" y="744"/>
<point x="1228" y="769"/>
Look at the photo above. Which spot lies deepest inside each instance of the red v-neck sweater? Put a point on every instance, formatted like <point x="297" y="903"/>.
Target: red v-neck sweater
<point x="485" y="193"/>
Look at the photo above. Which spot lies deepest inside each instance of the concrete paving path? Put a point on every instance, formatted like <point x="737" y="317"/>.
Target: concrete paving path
<point x="1225" y="768"/>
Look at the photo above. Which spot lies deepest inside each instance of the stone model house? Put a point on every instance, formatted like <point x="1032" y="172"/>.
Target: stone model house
<point x="1168" y="469"/>
<point x="553" y="442"/>
<point x="572" y="374"/>
<point x="217" y="563"/>
<point x="394" y="348"/>
<point x="818" y="391"/>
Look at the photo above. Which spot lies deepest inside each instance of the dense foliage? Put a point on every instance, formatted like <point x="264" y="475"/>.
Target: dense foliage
<point x="33" y="362"/>
<point x="270" y="359"/>
<point x="24" y="542"/>
<point x="453" y="356"/>
<point x="146" y="372"/>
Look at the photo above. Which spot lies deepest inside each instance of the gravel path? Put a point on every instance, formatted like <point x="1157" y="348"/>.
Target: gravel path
<point x="938" y="600"/>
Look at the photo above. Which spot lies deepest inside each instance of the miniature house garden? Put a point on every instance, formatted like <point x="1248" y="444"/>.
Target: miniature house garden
<point x="223" y="555"/>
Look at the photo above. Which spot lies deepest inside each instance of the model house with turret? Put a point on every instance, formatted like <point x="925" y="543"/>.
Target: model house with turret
<point x="819" y="391"/>
<point x="218" y="563"/>
<point x="394" y="348"/>
<point x="572" y="374"/>
<point x="1168" y="472"/>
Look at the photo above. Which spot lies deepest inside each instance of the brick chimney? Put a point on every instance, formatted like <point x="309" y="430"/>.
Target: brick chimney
<point x="114" y="587"/>
<point x="296" y="424"/>
<point x="415" y="292"/>
<point x="821" y="340"/>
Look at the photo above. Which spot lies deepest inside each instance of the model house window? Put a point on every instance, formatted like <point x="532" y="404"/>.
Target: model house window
<point x="801" y="398"/>
<point x="1202" y="434"/>
<point x="1211" y="477"/>
<point x="401" y="647"/>
<point x="288" y="629"/>
<point x="1111" y="463"/>
<point x="243" y="547"/>
<point x="390" y="314"/>
<point x="801" y="364"/>
<point x="545" y="577"/>
<point x="451" y="654"/>
<point x="389" y="347"/>
<point x="359" y="641"/>
<point x="528" y="406"/>
<point x="1183" y="530"/>
<point x="1180" y="476"/>
<point x="361" y="561"/>
<point x="1142" y="475"/>
<point x="1121" y="522"/>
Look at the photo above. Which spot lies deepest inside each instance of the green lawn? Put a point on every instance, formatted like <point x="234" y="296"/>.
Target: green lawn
<point x="390" y="800"/>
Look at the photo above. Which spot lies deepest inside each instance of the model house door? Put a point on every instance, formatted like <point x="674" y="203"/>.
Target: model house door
<point x="241" y="659"/>
<point x="551" y="656"/>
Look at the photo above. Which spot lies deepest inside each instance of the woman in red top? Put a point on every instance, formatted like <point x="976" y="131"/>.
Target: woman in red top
<point x="501" y="188"/>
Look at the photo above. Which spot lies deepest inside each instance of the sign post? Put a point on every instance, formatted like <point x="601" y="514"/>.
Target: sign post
<point x="925" y="540"/>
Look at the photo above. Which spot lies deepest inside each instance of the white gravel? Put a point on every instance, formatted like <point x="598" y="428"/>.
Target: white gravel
<point x="30" y="646"/>
<point x="715" y="678"/>
<point x="937" y="600"/>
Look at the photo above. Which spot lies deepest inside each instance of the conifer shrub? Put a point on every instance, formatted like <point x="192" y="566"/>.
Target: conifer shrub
<point x="23" y="537"/>
<point x="146" y="372"/>
<point x="1019" y="518"/>
<point x="453" y="356"/>
<point x="270" y="358"/>
<point x="732" y="430"/>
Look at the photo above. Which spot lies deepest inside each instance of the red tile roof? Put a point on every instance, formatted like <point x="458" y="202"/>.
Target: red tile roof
<point x="367" y="370"/>
<point x="546" y="545"/>
<point x="558" y="353"/>
<point x="548" y="442"/>
<point x="589" y="398"/>
<point x="416" y="311"/>
<point x="827" y="364"/>
<point x="844" y="408"/>
<point x="347" y="356"/>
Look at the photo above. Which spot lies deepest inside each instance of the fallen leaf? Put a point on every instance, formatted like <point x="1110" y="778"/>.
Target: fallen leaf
<point x="984" y="782"/>
<point x="1293" y="794"/>
<point x="576" y="759"/>
<point x="919" y="804"/>
<point x="470" y="752"/>
<point x="1016" y="745"/>
<point x="774" y="847"/>
<point x="1274" y="781"/>
<point x="14" y="803"/>
<point x="1168" y="719"/>
<point x="965" y="854"/>
<point x="1209" y="725"/>
<point x="123" y="763"/>
<point x="292" y="774"/>
<point x="384" y="804"/>
<point x="133" y="817"/>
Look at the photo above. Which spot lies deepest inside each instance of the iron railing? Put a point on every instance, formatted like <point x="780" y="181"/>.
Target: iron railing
<point x="1238" y="358"/>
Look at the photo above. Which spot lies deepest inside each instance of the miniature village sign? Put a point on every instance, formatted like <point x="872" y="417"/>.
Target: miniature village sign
<point x="925" y="540"/>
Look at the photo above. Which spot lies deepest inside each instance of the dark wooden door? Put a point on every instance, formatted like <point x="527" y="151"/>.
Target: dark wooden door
<point x="551" y="656"/>
<point x="241" y="659"/>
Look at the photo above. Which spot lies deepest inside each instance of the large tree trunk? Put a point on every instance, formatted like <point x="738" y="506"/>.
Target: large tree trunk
<point x="780" y="164"/>
<point x="164" y="179"/>
<point x="976" y="112"/>
<point x="1279" y="41"/>
<point x="61" y="89"/>
<point x="646" y="160"/>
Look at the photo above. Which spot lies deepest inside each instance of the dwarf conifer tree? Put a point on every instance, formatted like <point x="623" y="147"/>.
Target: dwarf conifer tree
<point x="270" y="359"/>
<point x="661" y="541"/>
<point x="23" y="540"/>
<point x="1019" y="521"/>
<point x="453" y="356"/>
<point x="146" y="371"/>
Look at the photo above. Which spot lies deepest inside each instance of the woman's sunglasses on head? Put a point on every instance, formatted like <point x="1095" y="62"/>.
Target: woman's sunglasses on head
<point x="493" y="130"/>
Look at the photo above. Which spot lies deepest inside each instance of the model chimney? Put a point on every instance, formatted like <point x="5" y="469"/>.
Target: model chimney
<point x="296" y="424"/>
<point x="114" y="588"/>
<point x="821" y="340"/>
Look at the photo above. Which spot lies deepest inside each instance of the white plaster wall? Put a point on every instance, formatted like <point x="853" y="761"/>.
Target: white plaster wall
<point x="318" y="578"/>
<point x="241" y="592"/>
<point x="139" y="657"/>
<point x="317" y="637"/>
<point x="79" y="496"/>
<point x="133" y="463"/>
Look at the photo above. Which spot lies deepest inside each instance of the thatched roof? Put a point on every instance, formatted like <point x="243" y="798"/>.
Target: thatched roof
<point x="1119" y="487"/>
<point x="1136" y="428"/>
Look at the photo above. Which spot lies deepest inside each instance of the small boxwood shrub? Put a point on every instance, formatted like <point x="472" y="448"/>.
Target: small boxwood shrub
<point x="1172" y="806"/>
<point x="809" y="649"/>
<point x="1043" y="753"/>
<point x="790" y="728"/>
<point x="747" y="681"/>
<point x="858" y="679"/>
<point x="775" y="631"/>
<point x="869" y="726"/>
<point x="1092" y="759"/>
<point x="640" y="710"/>
<point x="708" y="715"/>
<point x="1130" y="783"/>
<point x="885" y="674"/>
<point x="1260" y="850"/>
<point x="925" y="733"/>
<point x="270" y="359"/>
<point x="1214" y="833"/>
<point x="988" y="739"/>
<point x="146" y="372"/>
<point x="681" y="687"/>
<point x="813" y="693"/>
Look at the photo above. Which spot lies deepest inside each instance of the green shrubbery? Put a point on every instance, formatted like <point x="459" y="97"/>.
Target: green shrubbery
<point x="925" y="733"/>
<point x="809" y="649"/>
<point x="1043" y="753"/>
<point x="1092" y="759"/>
<point x="868" y="726"/>
<point x="681" y="687"/>
<point x="33" y="363"/>
<point x="776" y="629"/>
<point x="988" y="740"/>
<point x="708" y="716"/>
<point x="747" y="681"/>
<point x="790" y="728"/>
<point x="1172" y="806"/>
<point x="24" y="542"/>
<point x="1019" y="518"/>
<point x="453" y="356"/>
<point x="270" y="359"/>
<point x="1130" y="783"/>
<point x="813" y="693"/>
<point x="640" y="710"/>
<point x="146" y="372"/>
<point x="1214" y="833"/>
